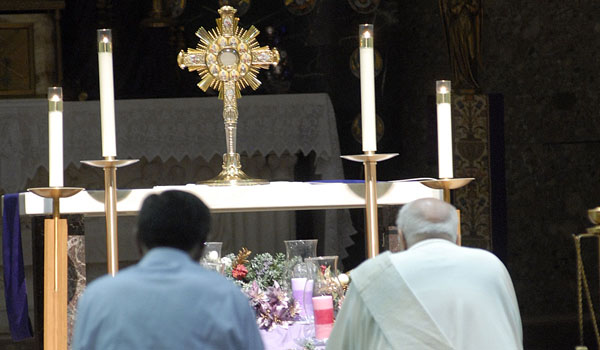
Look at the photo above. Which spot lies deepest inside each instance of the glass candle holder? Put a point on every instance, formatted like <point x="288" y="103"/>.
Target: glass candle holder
<point x="303" y="248"/>
<point x="214" y="266"/>
<point x="322" y="301"/>
<point x="212" y="252"/>
<point x="296" y="252"/>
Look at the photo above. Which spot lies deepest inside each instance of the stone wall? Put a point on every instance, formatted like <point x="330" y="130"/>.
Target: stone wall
<point x="544" y="60"/>
<point x="542" y="57"/>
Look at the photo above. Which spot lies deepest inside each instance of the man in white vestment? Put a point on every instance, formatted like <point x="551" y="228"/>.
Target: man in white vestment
<point x="434" y="295"/>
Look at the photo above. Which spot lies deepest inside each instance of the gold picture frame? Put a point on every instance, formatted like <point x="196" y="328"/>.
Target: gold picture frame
<point x="17" y="66"/>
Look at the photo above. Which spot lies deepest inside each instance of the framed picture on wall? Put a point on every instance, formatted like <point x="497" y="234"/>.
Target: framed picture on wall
<point x="17" y="68"/>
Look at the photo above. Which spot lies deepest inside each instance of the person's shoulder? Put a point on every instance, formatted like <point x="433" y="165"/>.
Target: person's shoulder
<point x="481" y="257"/>
<point x="219" y="284"/>
<point x="221" y="288"/>
<point x="371" y="267"/>
<point x="378" y="262"/>
<point x="106" y="283"/>
<point x="479" y="253"/>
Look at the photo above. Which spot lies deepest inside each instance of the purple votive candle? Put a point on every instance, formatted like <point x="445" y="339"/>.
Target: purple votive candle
<point x="308" y="294"/>
<point x="298" y="285"/>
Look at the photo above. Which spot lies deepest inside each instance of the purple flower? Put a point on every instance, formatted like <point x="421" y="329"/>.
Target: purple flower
<point x="273" y="306"/>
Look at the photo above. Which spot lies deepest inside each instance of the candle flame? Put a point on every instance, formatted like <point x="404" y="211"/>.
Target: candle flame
<point x="105" y="39"/>
<point x="55" y="98"/>
<point x="366" y="34"/>
<point x="443" y="90"/>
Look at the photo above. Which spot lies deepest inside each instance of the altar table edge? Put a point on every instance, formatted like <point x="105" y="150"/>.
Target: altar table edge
<point x="275" y="196"/>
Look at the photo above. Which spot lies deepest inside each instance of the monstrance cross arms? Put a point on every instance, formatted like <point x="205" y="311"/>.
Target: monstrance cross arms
<point x="227" y="59"/>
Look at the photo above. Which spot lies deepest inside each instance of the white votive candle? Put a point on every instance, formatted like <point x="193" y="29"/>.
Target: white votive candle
<point x="367" y="87"/>
<point x="55" y="137"/>
<point x="444" y="125"/>
<point x="107" y="95"/>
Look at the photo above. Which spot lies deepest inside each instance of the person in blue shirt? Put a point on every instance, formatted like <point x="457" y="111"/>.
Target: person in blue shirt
<point x="167" y="300"/>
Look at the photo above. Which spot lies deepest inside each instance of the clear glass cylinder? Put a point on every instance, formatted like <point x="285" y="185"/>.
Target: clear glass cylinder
<point x="296" y="252"/>
<point x="104" y="38"/>
<point x="212" y="252"/>
<point x="55" y="93"/>
<point x="323" y="294"/>
<point x="443" y="90"/>
<point x="303" y="248"/>
<point x="214" y="266"/>
<point x="365" y="35"/>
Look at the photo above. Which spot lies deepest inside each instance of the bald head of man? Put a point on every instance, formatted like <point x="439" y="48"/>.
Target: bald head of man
<point x="427" y="218"/>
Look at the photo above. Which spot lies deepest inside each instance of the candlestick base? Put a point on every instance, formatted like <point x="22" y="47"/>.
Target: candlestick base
<point x="447" y="184"/>
<point x="370" y="159"/>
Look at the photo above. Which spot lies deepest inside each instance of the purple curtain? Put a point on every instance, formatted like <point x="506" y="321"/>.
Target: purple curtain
<point x="15" y="289"/>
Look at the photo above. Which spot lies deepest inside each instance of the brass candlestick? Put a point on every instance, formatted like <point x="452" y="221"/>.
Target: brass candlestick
<point x="582" y="282"/>
<point x="447" y="184"/>
<point x="55" y="286"/>
<point x="594" y="216"/>
<point x="56" y="193"/>
<point x="110" y="165"/>
<point x="370" y="159"/>
<point x="228" y="59"/>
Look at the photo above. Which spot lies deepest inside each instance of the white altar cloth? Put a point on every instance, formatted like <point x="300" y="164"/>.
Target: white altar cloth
<point x="271" y="197"/>
<point x="275" y="196"/>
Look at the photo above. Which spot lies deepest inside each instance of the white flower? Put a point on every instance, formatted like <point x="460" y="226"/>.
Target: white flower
<point x="344" y="279"/>
<point x="227" y="261"/>
<point x="212" y="256"/>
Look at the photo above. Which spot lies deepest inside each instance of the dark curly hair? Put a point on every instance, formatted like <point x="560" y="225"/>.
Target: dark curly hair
<point x="174" y="219"/>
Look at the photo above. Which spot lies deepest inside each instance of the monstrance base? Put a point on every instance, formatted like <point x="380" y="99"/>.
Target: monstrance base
<point x="232" y="174"/>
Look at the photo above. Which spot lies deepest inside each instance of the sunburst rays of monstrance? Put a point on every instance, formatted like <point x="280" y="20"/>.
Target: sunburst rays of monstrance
<point x="228" y="59"/>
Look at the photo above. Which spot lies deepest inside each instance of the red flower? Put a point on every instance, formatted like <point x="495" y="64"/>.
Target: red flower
<point x="323" y="268"/>
<point x="239" y="272"/>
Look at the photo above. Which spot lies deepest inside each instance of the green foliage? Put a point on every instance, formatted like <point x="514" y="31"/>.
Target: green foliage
<point x="266" y="269"/>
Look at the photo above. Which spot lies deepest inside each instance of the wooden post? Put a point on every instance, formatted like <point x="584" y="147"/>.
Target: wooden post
<point x="55" y="284"/>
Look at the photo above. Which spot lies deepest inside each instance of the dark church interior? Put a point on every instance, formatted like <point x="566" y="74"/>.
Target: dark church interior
<point x="537" y="176"/>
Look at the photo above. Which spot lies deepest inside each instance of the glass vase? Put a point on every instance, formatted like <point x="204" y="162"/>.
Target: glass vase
<point x="323" y="294"/>
<point x="211" y="252"/>
<point x="296" y="251"/>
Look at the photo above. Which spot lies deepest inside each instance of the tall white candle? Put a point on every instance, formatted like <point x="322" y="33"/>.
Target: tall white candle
<point x="55" y="137"/>
<point x="107" y="95"/>
<point x="367" y="88"/>
<point x="444" y="124"/>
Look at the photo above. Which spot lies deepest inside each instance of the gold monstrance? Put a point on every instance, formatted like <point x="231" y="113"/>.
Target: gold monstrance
<point x="228" y="59"/>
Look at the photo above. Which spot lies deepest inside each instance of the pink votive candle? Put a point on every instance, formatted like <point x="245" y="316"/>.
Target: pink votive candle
<point x="323" y="309"/>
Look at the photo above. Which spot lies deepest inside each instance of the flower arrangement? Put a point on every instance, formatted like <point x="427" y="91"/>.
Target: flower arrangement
<point x="261" y="279"/>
